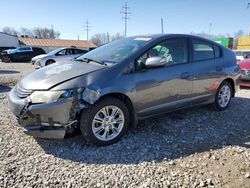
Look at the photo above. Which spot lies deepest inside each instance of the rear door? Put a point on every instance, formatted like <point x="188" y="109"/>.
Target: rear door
<point x="164" y="88"/>
<point x="207" y="62"/>
<point x="24" y="54"/>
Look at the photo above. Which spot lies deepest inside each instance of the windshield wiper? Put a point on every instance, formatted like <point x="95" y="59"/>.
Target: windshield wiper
<point x="109" y="61"/>
<point x="88" y="60"/>
<point x="79" y="60"/>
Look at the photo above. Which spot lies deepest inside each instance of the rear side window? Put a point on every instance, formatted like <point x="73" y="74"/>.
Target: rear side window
<point x="217" y="51"/>
<point x="202" y="51"/>
<point x="78" y="51"/>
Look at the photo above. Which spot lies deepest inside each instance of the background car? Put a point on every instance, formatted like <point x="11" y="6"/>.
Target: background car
<point x="61" y="54"/>
<point x="245" y="73"/>
<point x="242" y="54"/>
<point x="21" y="54"/>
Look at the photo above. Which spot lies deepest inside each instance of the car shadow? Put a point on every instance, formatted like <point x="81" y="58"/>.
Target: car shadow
<point x="169" y="136"/>
<point x="9" y="72"/>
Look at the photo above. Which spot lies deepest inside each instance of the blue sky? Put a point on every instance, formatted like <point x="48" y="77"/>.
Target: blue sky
<point x="180" y="16"/>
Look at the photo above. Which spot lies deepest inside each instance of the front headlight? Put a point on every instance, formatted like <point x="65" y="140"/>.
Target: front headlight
<point x="53" y="96"/>
<point x="38" y="62"/>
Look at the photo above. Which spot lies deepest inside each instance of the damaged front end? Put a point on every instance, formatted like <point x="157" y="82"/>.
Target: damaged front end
<point x="47" y="114"/>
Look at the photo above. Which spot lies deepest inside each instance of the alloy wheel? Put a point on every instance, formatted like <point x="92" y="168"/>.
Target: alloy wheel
<point x="108" y="123"/>
<point x="224" y="96"/>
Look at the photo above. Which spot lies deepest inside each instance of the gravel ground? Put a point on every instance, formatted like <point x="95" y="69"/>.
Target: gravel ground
<point x="191" y="148"/>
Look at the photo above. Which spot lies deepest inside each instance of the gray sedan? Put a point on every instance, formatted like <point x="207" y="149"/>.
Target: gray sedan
<point x="60" y="54"/>
<point x="111" y="88"/>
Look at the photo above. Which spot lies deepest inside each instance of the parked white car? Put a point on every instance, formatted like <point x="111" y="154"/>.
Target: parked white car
<point x="242" y="54"/>
<point x="60" y="54"/>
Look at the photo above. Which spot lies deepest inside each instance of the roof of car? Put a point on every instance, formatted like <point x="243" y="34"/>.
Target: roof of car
<point x="169" y="35"/>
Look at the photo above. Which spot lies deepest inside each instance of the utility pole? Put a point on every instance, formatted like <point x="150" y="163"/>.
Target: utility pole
<point x="87" y="28"/>
<point x="125" y="12"/>
<point x="248" y="6"/>
<point x="52" y="32"/>
<point x="209" y="32"/>
<point x="162" y="31"/>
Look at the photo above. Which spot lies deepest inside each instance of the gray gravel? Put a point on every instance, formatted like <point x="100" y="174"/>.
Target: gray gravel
<point x="191" y="148"/>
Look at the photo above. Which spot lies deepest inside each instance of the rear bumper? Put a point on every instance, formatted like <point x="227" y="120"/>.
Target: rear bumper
<point x="245" y="83"/>
<point x="47" y="120"/>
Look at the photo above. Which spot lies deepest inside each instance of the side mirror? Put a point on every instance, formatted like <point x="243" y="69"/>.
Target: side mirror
<point x="155" y="62"/>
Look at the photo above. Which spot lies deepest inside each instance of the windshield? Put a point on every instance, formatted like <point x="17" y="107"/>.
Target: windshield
<point x="117" y="51"/>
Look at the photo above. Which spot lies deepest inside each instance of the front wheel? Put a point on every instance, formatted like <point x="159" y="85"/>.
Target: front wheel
<point x="6" y="59"/>
<point x="105" y="122"/>
<point x="223" y="96"/>
<point x="49" y="62"/>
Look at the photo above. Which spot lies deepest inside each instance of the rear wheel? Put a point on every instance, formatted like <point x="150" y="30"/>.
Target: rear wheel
<point x="223" y="96"/>
<point x="49" y="62"/>
<point x="105" y="122"/>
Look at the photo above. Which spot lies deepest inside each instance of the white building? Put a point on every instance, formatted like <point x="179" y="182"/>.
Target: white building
<point x="7" y="40"/>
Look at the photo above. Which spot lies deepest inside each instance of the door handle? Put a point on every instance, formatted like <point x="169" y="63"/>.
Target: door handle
<point x="219" y="68"/>
<point x="185" y="75"/>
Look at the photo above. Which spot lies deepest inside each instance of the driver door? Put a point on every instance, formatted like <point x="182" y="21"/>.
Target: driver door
<point x="166" y="87"/>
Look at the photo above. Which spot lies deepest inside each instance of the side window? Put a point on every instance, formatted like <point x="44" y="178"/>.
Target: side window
<point x="62" y="52"/>
<point x="202" y="51"/>
<point x="217" y="51"/>
<point x="70" y="51"/>
<point x="174" y="51"/>
<point x="78" y="51"/>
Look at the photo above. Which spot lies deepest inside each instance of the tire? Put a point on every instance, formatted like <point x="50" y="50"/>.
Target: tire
<point x="223" y="96"/>
<point x="49" y="62"/>
<point x="6" y="59"/>
<point x="109" y="131"/>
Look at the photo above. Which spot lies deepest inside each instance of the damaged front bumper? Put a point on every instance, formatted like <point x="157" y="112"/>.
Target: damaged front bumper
<point x="46" y="120"/>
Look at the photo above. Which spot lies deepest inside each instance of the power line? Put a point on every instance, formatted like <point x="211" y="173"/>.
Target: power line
<point x="87" y="28"/>
<point x="126" y="13"/>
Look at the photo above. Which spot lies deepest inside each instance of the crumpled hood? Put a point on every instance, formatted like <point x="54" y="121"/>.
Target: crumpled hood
<point x="39" y="57"/>
<point x="49" y="76"/>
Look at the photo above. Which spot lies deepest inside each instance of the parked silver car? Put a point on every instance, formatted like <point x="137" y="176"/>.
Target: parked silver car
<point x="60" y="54"/>
<point x="109" y="89"/>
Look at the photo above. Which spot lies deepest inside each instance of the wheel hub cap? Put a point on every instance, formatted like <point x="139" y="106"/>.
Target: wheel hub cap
<point x="108" y="123"/>
<point x="224" y="96"/>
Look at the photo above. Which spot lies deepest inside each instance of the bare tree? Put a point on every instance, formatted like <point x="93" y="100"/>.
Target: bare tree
<point x="100" y="39"/>
<point x="236" y="37"/>
<point x="39" y="32"/>
<point x="46" y="33"/>
<point x="26" y="32"/>
<point x="104" y="38"/>
<point x="9" y="30"/>
<point x="116" y="36"/>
